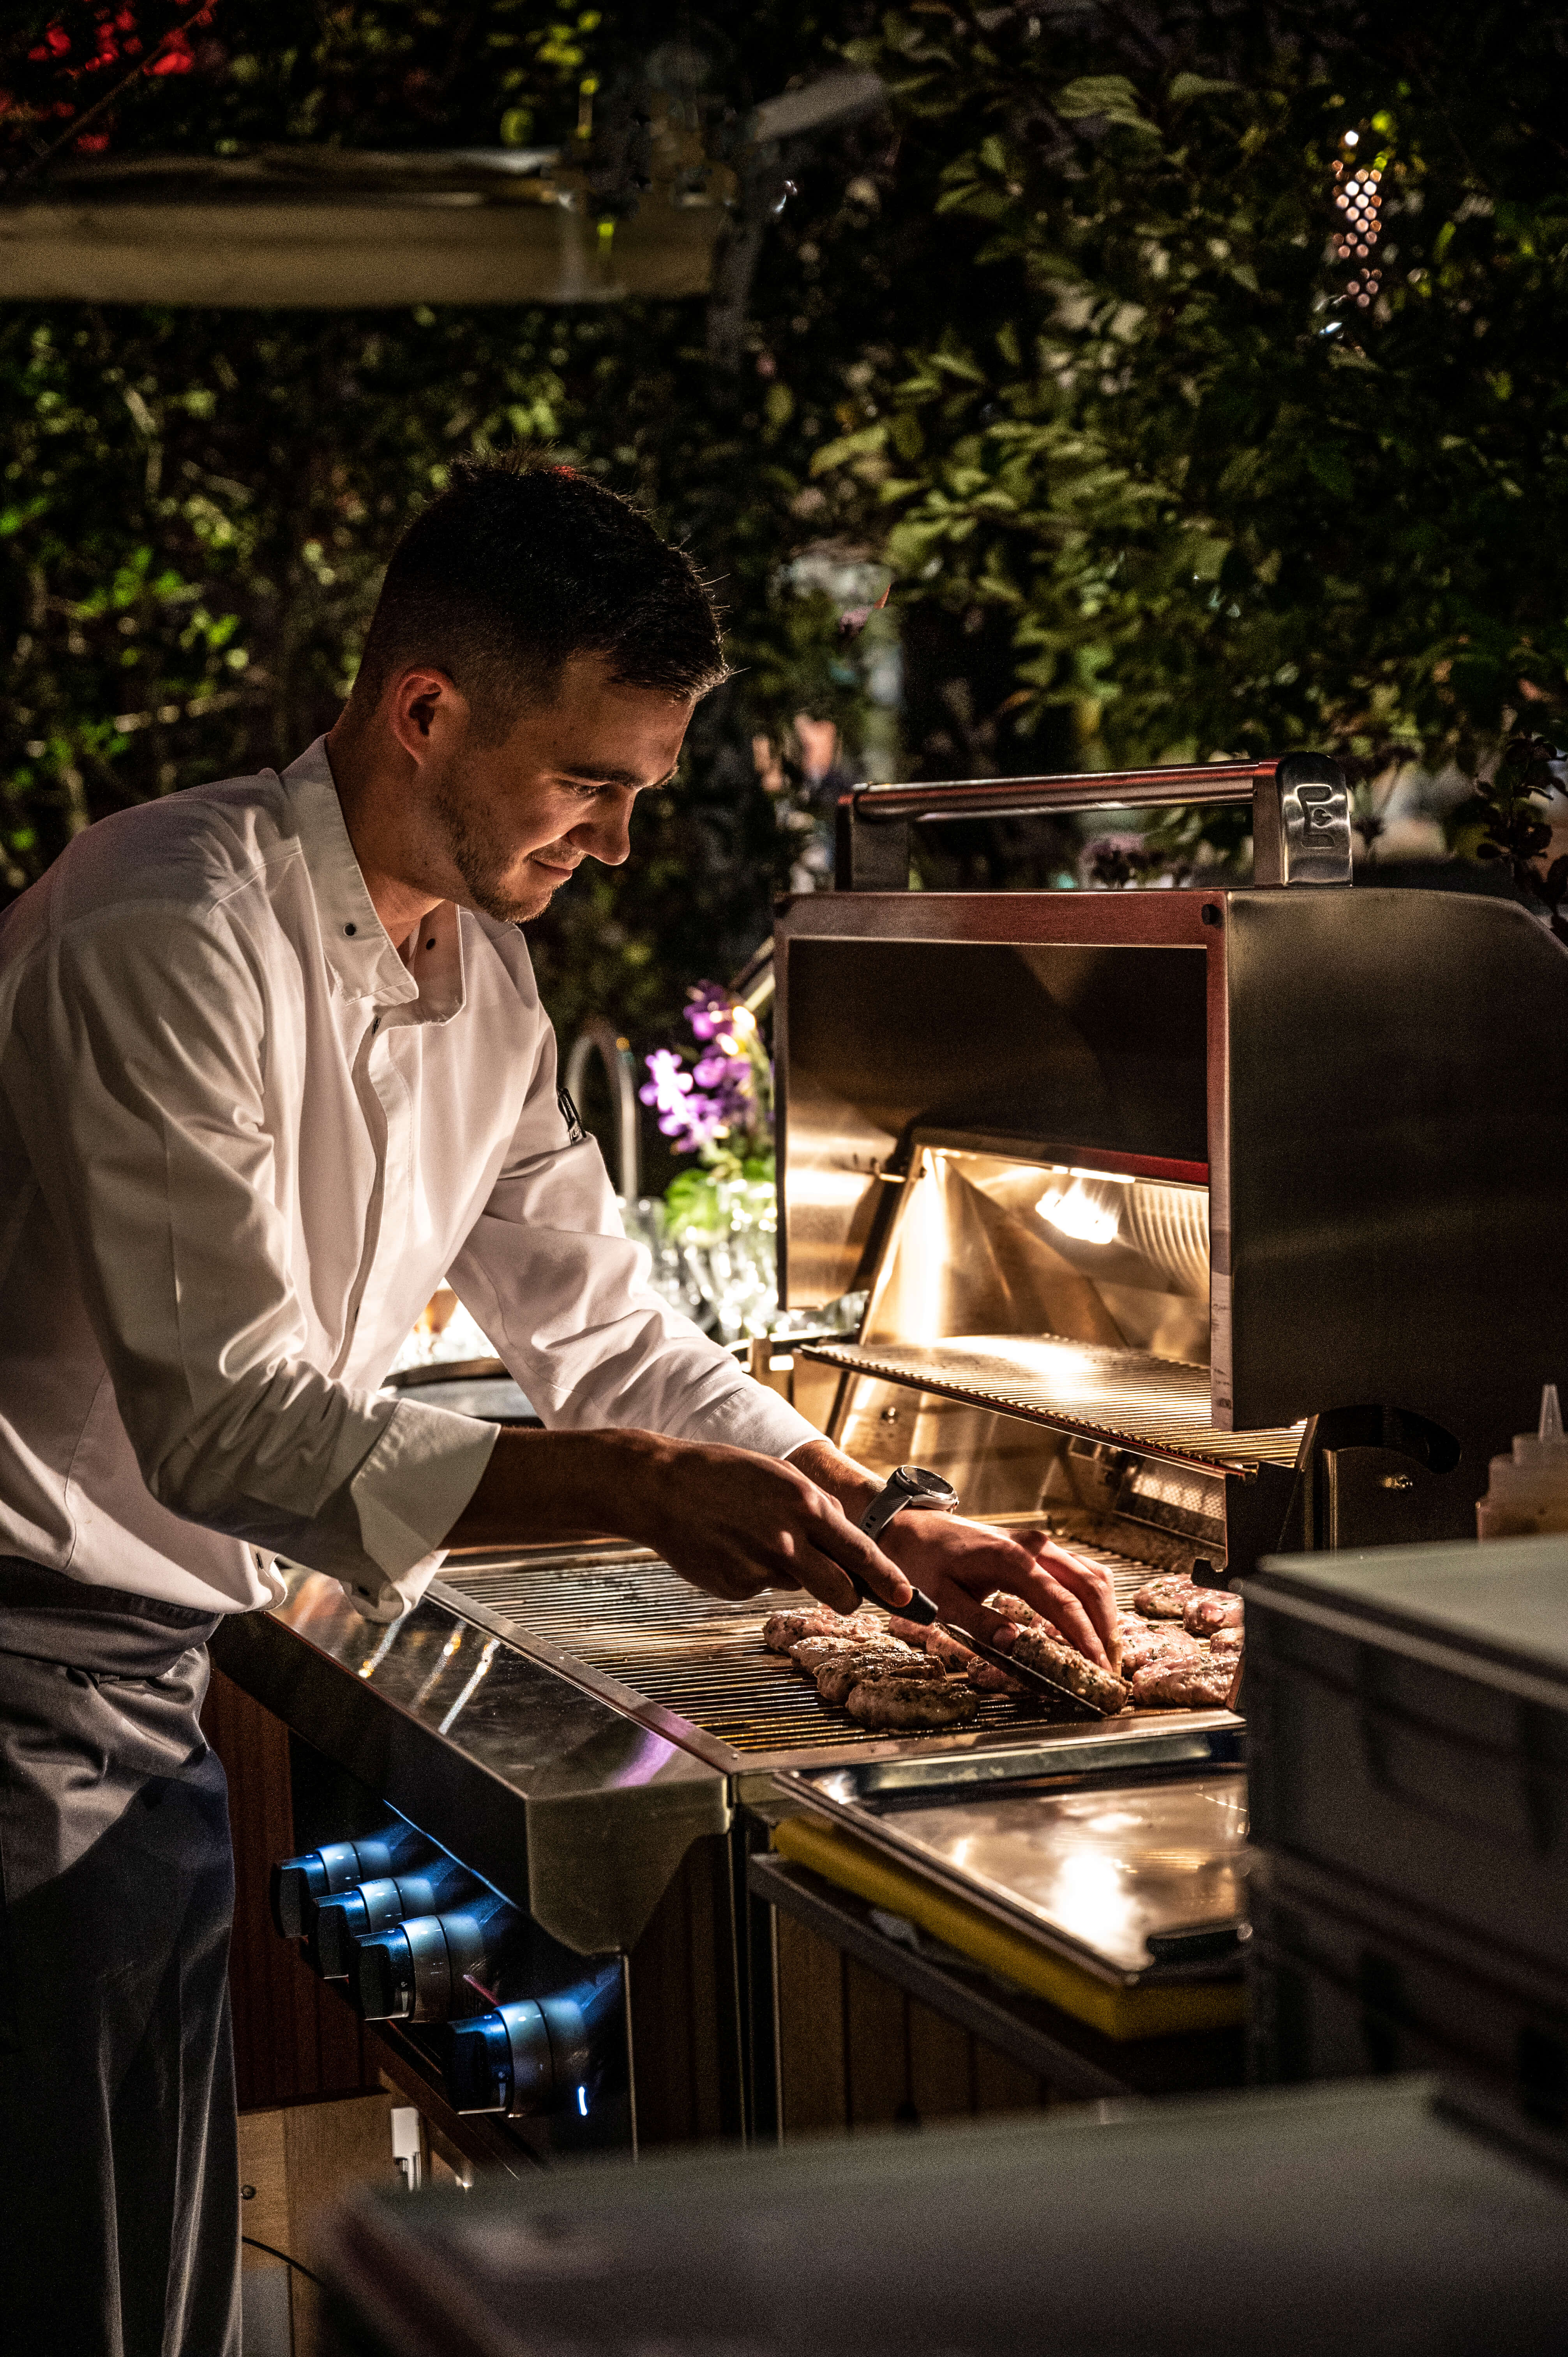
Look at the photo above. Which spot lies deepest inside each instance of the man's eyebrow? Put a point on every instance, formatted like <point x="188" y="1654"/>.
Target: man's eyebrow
<point x="618" y="777"/>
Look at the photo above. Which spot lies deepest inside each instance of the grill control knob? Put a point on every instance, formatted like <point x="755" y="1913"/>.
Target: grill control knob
<point x="533" y="2056"/>
<point x="299" y="1882"/>
<point x="349" y="1916"/>
<point x="415" y="1972"/>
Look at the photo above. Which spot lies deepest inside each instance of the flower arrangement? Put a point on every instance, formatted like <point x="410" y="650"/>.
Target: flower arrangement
<point x="722" y="1110"/>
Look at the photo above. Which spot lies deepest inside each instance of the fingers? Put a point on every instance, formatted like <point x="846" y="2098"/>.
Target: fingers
<point x="1058" y="1605"/>
<point x="1052" y="1598"/>
<point x="784" y="1532"/>
<point x="835" y="1537"/>
<point x="822" y="1577"/>
<point x="1054" y="1604"/>
<point x="1090" y="1587"/>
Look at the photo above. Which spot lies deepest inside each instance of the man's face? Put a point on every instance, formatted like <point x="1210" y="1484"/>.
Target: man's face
<point x="512" y="819"/>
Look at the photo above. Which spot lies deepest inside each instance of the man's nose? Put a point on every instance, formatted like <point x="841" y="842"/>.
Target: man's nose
<point x="607" y="835"/>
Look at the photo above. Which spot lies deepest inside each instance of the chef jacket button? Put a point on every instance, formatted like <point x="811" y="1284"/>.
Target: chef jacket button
<point x="351" y="931"/>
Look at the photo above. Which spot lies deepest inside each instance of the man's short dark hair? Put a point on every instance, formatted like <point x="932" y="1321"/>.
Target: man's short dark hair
<point x="520" y="563"/>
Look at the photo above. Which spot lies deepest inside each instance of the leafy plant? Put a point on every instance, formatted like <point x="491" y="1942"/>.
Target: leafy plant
<point x="1062" y="339"/>
<point x="1510" y="806"/>
<point x="1228" y="499"/>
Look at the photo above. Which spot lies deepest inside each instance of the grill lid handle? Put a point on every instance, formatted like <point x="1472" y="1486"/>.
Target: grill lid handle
<point x="1301" y="813"/>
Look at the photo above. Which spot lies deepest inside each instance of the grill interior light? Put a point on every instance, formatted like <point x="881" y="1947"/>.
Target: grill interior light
<point x="1079" y="1215"/>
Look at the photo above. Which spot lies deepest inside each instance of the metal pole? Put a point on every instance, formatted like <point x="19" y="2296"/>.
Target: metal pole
<point x="601" y="1039"/>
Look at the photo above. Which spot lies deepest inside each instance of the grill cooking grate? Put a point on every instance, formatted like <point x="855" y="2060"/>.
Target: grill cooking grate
<point x="1159" y="1406"/>
<point x="629" y="1618"/>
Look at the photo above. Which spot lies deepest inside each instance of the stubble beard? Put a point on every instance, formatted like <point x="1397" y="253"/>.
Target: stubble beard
<point x="477" y="860"/>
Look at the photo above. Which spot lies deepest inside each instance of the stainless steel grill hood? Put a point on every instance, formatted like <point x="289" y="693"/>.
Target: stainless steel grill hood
<point x="1360" y="1099"/>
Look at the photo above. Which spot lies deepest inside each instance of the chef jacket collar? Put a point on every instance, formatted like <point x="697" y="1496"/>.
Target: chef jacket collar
<point x="421" y="983"/>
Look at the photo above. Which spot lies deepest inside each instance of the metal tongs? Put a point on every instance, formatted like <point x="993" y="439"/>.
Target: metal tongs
<point x="926" y="1615"/>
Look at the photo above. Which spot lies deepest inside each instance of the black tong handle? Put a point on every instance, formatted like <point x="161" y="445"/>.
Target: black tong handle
<point x="920" y="1609"/>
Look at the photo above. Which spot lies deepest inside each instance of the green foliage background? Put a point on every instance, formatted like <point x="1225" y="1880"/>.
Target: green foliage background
<point x="1058" y="337"/>
<point x="1226" y="507"/>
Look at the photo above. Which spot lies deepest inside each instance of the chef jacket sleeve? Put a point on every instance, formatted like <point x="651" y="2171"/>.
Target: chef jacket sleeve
<point x="134" y="1070"/>
<point x="550" y="1275"/>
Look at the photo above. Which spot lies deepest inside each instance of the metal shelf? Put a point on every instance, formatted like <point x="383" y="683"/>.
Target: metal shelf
<point x="1156" y="1407"/>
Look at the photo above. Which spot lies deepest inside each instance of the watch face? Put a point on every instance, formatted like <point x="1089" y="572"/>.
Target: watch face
<point x="922" y="1483"/>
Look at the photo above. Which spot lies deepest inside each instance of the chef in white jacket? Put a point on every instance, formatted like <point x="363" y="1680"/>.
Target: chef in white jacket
<point x="272" y="1065"/>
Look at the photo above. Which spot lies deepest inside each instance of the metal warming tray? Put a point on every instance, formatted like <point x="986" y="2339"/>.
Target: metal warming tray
<point x="1128" y="1857"/>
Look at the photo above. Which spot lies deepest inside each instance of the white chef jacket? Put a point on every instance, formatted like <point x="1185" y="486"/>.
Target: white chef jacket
<point x="243" y="1137"/>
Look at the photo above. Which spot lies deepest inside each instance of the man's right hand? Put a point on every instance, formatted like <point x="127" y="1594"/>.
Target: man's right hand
<point x="729" y="1521"/>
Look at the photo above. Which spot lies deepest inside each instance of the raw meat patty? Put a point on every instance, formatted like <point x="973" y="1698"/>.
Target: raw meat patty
<point x="782" y="1629"/>
<point x="835" y="1678"/>
<point x="1059" y="1661"/>
<point x="1164" y="1599"/>
<point x="808" y="1654"/>
<point x="898" y="1701"/>
<point x="934" y="1642"/>
<point x="1210" y="1608"/>
<point x="1200" y="1684"/>
<point x="1161" y="1641"/>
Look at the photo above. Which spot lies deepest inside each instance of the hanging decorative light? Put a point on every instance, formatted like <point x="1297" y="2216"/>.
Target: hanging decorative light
<point x="1357" y="198"/>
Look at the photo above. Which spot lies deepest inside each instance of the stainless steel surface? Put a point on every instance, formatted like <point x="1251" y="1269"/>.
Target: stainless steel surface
<point x="696" y="1668"/>
<point x="1032" y="1024"/>
<point x="1094" y="1851"/>
<point x="1372" y="1085"/>
<point x="1103" y="1870"/>
<point x="1396" y="1085"/>
<point x="987" y="1244"/>
<point x="1149" y="1405"/>
<point x="570" y="1807"/>
<point x="600" y="1039"/>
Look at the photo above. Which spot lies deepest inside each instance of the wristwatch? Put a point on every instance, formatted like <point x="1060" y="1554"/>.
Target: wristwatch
<point x="910" y="1485"/>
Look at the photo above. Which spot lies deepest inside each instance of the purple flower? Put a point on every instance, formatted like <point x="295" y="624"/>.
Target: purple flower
<point x="710" y="1011"/>
<point x="668" y="1086"/>
<point x="689" y="1116"/>
<point x="718" y="1099"/>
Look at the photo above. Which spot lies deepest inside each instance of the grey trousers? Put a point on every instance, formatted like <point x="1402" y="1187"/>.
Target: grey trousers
<point x="119" y="2176"/>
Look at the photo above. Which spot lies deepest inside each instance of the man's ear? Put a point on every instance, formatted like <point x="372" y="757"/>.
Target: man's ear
<point x="426" y="711"/>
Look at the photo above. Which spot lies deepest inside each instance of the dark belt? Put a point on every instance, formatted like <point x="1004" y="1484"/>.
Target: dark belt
<point x="107" y="1632"/>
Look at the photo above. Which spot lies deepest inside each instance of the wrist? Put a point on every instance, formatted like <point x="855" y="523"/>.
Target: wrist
<point x="838" y="1475"/>
<point x="562" y="1485"/>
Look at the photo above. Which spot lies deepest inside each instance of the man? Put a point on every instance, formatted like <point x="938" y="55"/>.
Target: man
<point x="272" y="1067"/>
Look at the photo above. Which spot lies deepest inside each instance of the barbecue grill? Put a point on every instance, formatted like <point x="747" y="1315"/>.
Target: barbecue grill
<point x="620" y="1624"/>
<point x="1192" y="1222"/>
